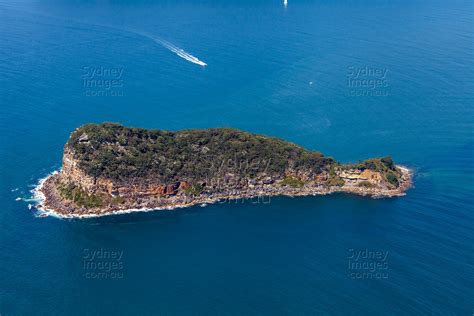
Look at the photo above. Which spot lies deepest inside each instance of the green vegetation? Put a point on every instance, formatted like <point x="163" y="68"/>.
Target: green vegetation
<point x="194" y="189"/>
<point x="292" y="182"/>
<point x="392" y="178"/>
<point x="375" y="164"/>
<point x="332" y="171"/>
<point x="366" y="184"/>
<point x="117" y="200"/>
<point x="121" y="153"/>
<point x="77" y="195"/>
<point x="383" y="165"/>
<point x="335" y="182"/>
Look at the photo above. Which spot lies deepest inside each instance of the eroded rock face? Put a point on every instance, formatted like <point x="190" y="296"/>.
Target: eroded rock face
<point x="72" y="173"/>
<point x="355" y="176"/>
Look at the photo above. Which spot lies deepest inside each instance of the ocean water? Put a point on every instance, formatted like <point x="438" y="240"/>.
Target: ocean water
<point x="352" y="79"/>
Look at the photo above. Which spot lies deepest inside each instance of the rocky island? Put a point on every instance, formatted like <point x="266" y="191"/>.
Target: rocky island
<point x="109" y="168"/>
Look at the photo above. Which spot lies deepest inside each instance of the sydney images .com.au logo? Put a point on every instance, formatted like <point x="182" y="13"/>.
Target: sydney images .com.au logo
<point x="102" y="263"/>
<point x="102" y="81"/>
<point x="367" y="81"/>
<point x="367" y="264"/>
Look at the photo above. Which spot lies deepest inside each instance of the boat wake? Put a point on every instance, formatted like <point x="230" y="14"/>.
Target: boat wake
<point x="170" y="46"/>
<point x="180" y="52"/>
<point x="173" y="48"/>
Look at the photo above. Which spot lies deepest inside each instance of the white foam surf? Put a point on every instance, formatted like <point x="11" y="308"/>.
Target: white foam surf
<point x="39" y="197"/>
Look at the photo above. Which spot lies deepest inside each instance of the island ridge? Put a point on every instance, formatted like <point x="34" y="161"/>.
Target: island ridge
<point x="109" y="168"/>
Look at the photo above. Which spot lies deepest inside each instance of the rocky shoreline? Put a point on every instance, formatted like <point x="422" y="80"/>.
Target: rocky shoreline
<point x="51" y="202"/>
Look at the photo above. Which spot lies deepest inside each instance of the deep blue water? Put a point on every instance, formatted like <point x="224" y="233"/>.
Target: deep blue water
<point x="273" y="70"/>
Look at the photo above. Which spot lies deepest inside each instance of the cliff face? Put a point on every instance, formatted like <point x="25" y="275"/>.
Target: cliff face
<point x="109" y="164"/>
<point x="73" y="174"/>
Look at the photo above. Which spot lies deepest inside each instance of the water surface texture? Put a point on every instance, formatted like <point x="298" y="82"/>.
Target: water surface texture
<point x="352" y="79"/>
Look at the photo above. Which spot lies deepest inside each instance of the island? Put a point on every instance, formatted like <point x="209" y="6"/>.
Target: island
<point x="110" y="169"/>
